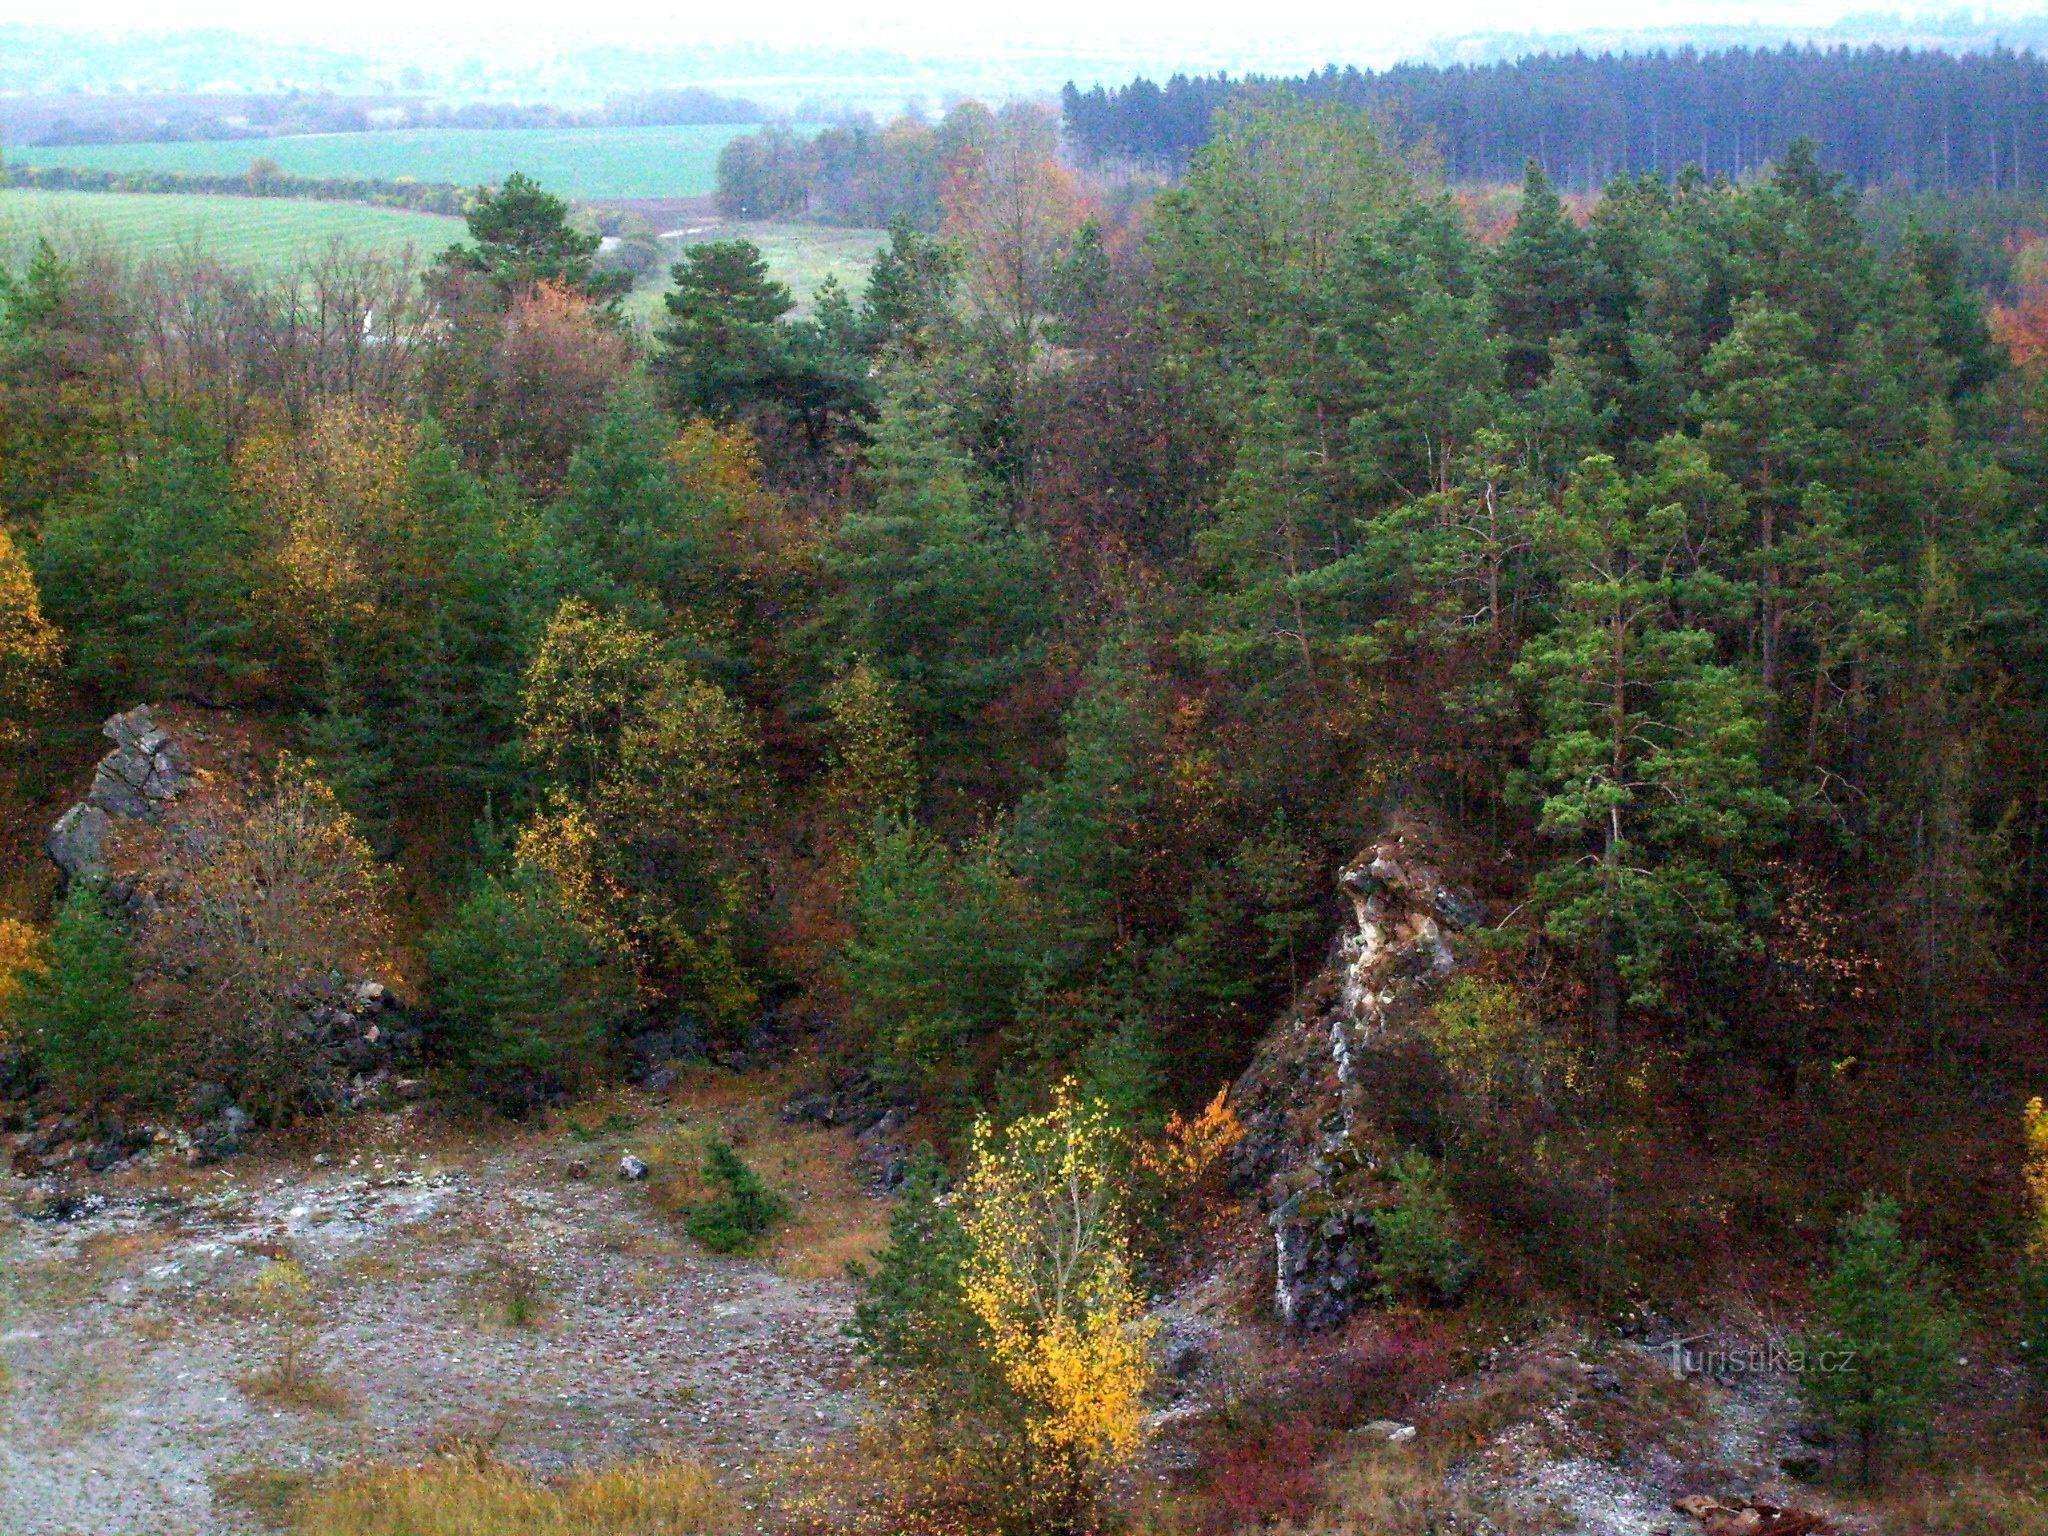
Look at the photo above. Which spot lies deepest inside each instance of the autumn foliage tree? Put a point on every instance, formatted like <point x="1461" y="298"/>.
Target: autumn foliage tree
<point x="556" y="361"/>
<point x="265" y="908"/>
<point x="1014" y="211"/>
<point x="1013" y="1309"/>
<point x="1047" y="1272"/>
<point x="29" y="647"/>
<point x="649" y="830"/>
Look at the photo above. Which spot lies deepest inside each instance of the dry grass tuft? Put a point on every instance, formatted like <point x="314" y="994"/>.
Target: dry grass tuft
<point x="508" y="1291"/>
<point x="270" y="1495"/>
<point x="476" y="1496"/>
<point x="1399" y="1490"/>
<point x="1977" y="1504"/>
<point x="296" y="1383"/>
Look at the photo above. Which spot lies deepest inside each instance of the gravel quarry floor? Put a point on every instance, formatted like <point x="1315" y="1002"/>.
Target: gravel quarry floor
<point x="478" y="1292"/>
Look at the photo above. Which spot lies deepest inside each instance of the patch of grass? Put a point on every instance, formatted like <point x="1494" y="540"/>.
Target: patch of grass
<point x="270" y="1495"/>
<point x="477" y="1496"/>
<point x="1402" y="1490"/>
<point x="1653" y="1408"/>
<point x="829" y="1220"/>
<point x="1493" y="1402"/>
<point x="1977" y="1504"/>
<point x="246" y="231"/>
<point x="612" y="1125"/>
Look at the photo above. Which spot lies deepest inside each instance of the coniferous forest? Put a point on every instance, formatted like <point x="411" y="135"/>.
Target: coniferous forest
<point x="1918" y="119"/>
<point x="1266" y="843"/>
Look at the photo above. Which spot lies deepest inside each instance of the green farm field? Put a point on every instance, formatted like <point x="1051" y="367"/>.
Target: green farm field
<point x="801" y="255"/>
<point x="247" y="231"/>
<point x="269" y="232"/>
<point x="582" y="163"/>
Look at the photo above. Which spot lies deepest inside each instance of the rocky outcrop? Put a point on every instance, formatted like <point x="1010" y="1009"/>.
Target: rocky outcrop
<point x="1313" y="1154"/>
<point x="175" y="779"/>
<point x="142" y="775"/>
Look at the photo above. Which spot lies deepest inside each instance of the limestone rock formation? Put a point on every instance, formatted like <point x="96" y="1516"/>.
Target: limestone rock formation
<point x="142" y="775"/>
<point x="1310" y="1153"/>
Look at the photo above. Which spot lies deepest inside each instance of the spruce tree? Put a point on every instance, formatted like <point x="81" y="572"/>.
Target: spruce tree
<point x="942" y="596"/>
<point x="1884" y="1349"/>
<point x="77" y="1009"/>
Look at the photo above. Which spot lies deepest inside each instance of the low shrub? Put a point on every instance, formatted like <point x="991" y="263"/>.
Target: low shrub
<point x="1267" y="1476"/>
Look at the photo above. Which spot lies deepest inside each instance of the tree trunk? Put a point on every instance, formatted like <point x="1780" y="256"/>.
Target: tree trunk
<point x="1606" y="995"/>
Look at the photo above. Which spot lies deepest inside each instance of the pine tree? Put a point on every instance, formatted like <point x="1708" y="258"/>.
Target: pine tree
<point x="522" y="237"/>
<point x="1542" y="280"/>
<point x="1646" y="771"/>
<point x="911" y="1315"/>
<point x="1884" y="1350"/>
<point x="724" y="345"/>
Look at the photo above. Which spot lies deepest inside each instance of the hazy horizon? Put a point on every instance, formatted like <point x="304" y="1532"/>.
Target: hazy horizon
<point x="1290" y="34"/>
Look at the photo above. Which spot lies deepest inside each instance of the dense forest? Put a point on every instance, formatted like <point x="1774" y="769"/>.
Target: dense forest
<point x="995" y="667"/>
<point x="1921" y="119"/>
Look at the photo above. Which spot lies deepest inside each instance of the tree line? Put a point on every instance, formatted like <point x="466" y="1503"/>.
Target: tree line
<point x="1918" y="118"/>
<point x="181" y="118"/>
<point x="262" y="179"/>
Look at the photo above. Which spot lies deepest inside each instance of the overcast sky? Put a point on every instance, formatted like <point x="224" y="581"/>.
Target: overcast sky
<point x="1363" y="30"/>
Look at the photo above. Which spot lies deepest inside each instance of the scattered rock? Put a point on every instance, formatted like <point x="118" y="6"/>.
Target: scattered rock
<point x="852" y="1098"/>
<point x="632" y="1168"/>
<point x="223" y="1135"/>
<point x="654" y="1050"/>
<point x="1743" y="1518"/>
<point x="350" y="1035"/>
<point x="1386" y="1431"/>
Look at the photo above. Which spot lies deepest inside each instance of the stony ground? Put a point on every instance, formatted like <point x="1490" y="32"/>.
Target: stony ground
<point x="473" y="1289"/>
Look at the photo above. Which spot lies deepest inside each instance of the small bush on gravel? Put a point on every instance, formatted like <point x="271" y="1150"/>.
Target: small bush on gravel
<point x="739" y="1215"/>
<point x="283" y="1298"/>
